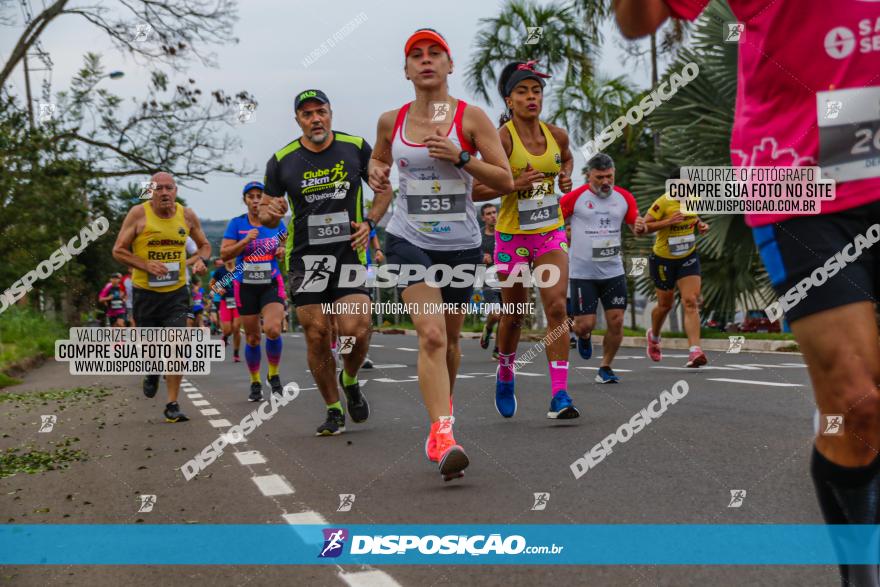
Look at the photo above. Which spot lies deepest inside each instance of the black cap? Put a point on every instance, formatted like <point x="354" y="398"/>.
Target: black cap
<point x="310" y="95"/>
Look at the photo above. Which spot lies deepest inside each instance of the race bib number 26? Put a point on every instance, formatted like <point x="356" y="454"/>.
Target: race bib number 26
<point x="849" y="133"/>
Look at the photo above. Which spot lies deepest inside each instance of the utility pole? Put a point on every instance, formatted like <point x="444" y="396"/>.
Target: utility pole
<point x="27" y="91"/>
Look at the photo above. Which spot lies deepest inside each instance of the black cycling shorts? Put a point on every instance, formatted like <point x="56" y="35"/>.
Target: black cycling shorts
<point x="807" y="247"/>
<point x="586" y="293"/>
<point x="666" y="272"/>
<point x="402" y="252"/>
<point x="153" y="309"/>
<point x="253" y="297"/>
<point x="314" y="278"/>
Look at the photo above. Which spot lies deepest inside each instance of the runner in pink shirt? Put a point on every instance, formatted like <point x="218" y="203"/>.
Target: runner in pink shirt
<point x="808" y="94"/>
<point x="113" y="295"/>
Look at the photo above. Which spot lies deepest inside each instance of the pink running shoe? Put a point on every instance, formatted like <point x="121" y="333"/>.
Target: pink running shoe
<point x="653" y="347"/>
<point x="696" y="359"/>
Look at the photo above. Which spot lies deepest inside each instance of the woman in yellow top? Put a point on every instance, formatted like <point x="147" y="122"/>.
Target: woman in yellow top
<point x="674" y="262"/>
<point x="530" y="230"/>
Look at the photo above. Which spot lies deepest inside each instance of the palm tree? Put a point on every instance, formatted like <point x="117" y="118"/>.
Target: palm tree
<point x="591" y="104"/>
<point x="564" y="49"/>
<point x="695" y="127"/>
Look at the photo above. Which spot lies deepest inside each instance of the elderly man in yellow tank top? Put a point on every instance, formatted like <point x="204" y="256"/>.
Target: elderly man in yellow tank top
<point x="152" y="241"/>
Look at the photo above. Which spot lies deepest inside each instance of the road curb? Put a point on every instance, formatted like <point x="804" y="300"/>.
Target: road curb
<point x="709" y="344"/>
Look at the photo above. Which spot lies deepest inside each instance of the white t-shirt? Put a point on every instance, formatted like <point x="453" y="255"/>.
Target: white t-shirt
<point x="595" y="248"/>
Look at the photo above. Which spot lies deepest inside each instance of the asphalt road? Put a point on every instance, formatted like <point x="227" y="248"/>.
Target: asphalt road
<point x="745" y="424"/>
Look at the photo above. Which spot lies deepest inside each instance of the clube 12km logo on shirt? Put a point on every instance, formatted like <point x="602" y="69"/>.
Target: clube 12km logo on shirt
<point x="335" y="539"/>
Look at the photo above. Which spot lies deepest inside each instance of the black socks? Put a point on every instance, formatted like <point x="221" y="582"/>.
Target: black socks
<point x="849" y="495"/>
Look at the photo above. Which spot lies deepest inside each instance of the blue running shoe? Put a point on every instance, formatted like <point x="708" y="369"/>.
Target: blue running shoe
<point x="562" y="408"/>
<point x="606" y="375"/>
<point x="505" y="399"/>
<point x="585" y="347"/>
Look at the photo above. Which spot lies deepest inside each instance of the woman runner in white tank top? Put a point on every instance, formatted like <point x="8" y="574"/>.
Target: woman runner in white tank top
<point x="434" y="141"/>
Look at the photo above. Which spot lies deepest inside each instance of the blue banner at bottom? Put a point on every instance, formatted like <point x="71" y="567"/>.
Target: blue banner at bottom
<point x="522" y="544"/>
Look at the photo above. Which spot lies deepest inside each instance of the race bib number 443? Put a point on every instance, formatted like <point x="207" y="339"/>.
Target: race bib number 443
<point x="849" y="133"/>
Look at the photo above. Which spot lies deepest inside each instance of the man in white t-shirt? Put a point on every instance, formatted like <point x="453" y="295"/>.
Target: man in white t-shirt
<point x="596" y="212"/>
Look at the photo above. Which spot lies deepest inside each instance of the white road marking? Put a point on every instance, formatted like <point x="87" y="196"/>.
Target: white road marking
<point x="695" y="369"/>
<point x="308" y="535"/>
<point x="194" y="396"/>
<point x="403" y="348"/>
<point x="744" y="367"/>
<point x="308" y="517"/>
<point x="201" y="402"/>
<point x="597" y="368"/>
<point x="222" y="423"/>
<point x="392" y="366"/>
<point x="371" y="578"/>
<point x="250" y="457"/>
<point x="377" y="346"/>
<point x="210" y="412"/>
<point x="233" y="438"/>
<point x="389" y="380"/>
<point x="751" y="382"/>
<point x="271" y="485"/>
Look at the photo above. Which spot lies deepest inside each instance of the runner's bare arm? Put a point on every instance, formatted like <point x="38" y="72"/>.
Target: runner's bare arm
<point x="482" y="193"/>
<point x="493" y="169"/>
<point x="381" y="202"/>
<point x="272" y="210"/>
<point x="230" y="249"/>
<point x="638" y="18"/>
<point x="381" y="159"/>
<point x="131" y="226"/>
<point x="564" y="178"/>
<point x="198" y="235"/>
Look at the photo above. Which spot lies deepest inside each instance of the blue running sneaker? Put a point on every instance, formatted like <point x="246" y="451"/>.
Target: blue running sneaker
<point x="562" y="408"/>
<point x="505" y="398"/>
<point x="606" y="375"/>
<point x="585" y="347"/>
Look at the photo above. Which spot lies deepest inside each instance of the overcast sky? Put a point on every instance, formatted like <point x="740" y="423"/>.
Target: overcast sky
<point x="362" y="74"/>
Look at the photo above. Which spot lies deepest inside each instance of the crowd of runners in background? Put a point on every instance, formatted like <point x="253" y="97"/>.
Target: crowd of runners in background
<point x="270" y="263"/>
<point x="450" y="158"/>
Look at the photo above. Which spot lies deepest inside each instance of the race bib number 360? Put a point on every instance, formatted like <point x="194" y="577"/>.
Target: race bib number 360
<point x="329" y="228"/>
<point x="436" y="200"/>
<point x="849" y="133"/>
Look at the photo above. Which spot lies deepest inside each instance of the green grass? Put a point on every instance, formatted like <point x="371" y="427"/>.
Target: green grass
<point x="25" y="333"/>
<point x="29" y="460"/>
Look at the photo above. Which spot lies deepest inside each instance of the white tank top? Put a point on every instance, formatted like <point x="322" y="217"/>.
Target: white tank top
<point x="434" y="208"/>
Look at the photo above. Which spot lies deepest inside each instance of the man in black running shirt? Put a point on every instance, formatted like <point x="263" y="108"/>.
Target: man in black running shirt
<point x="322" y="173"/>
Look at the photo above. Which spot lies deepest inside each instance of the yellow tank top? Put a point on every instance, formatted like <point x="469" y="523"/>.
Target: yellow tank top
<point x="549" y="163"/>
<point x="163" y="240"/>
<point x="678" y="240"/>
